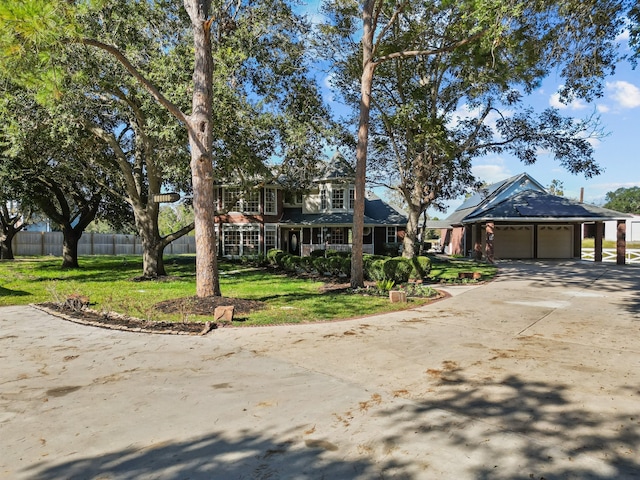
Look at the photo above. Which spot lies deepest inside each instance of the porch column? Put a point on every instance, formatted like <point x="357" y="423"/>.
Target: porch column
<point x="476" y="234"/>
<point x="577" y="241"/>
<point x="621" y="242"/>
<point x="489" y="251"/>
<point x="597" y="249"/>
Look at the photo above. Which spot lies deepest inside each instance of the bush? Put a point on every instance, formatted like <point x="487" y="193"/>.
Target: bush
<point x="421" y="267"/>
<point x="290" y="262"/>
<point x="376" y="270"/>
<point x="345" y="267"/>
<point x="336" y="253"/>
<point x="367" y="261"/>
<point x="317" y="253"/>
<point x="321" y="264"/>
<point x="397" y="269"/>
<point x="306" y="263"/>
<point x="274" y="256"/>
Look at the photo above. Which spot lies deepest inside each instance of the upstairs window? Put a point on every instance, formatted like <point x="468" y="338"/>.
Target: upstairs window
<point x="251" y="202"/>
<point x="337" y="199"/>
<point x="324" y="204"/>
<point x="270" y="206"/>
<point x="231" y="200"/>
<point x="352" y="198"/>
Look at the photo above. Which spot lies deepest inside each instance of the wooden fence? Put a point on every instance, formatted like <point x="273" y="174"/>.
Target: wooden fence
<point x="610" y="255"/>
<point x="50" y="243"/>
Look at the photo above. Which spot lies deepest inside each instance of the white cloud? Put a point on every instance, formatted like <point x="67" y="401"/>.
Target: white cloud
<point x="577" y="104"/>
<point x="601" y="108"/>
<point x="626" y="94"/>
<point x="491" y="172"/>
<point x="623" y="37"/>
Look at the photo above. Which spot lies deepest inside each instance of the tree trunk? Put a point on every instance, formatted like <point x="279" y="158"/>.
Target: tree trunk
<point x="201" y="143"/>
<point x="411" y="234"/>
<point x="70" y="239"/>
<point x="6" y="249"/>
<point x="366" y="82"/>
<point x="152" y="243"/>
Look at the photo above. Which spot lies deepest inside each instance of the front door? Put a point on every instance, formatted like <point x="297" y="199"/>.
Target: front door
<point x="294" y="242"/>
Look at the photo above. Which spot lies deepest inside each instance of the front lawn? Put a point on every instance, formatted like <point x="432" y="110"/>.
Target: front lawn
<point x="109" y="284"/>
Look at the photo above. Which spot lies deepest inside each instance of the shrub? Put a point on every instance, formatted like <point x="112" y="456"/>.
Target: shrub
<point x="317" y="253"/>
<point x="345" y="267"/>
<point x="397" y="269"/>
<point x="336" y="253"/>
<point x="385" y="285"/>
<point x="367" y="261"/>
<point x="376" y="270"/>
<point x="274" y="256"/>
<point x="306" y="263"/>
<point x="321" y="264"/>
<point x="290" y="262"/>
<point x="421" y="267"/>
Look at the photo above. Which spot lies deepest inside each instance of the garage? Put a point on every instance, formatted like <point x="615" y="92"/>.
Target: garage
<point x="513" y="241"/>
<point x="555" y="241"/>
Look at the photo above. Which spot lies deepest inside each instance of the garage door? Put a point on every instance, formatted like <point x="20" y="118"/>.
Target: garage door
<point x="513" y="241"/>
<point x="555" y="241"/>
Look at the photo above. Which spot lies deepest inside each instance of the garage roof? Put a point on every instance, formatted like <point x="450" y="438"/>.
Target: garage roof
<point x="522" y="199"/>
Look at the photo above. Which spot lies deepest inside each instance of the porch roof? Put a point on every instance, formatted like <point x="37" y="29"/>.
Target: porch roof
<point x="376" y="213"/>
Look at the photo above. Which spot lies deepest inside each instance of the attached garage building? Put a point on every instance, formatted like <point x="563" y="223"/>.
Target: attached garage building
<point x="518" y="219"/>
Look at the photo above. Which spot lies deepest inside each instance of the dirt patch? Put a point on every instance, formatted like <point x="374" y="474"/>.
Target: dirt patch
<point x="206" y="305"/>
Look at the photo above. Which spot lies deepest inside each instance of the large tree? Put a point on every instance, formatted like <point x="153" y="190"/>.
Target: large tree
<point x="576" y="36"/>
<point x="626" y="200"/>
<point x="244" y="54"/>
<point x="13" y="219"/>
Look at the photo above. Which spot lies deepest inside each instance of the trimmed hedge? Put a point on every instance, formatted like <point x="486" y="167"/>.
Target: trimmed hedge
<point x="421" y="267"/>
<point x="397" y="269"/>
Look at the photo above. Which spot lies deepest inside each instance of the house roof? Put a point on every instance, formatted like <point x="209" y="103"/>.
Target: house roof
<point x="538" y="206"/>
<point x="337" y="168"/>
<point x="376" y="213"/>
<point x="523" y="199"/>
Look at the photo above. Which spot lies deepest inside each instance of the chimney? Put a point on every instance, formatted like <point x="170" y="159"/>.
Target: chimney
<point x="581" y="194"/>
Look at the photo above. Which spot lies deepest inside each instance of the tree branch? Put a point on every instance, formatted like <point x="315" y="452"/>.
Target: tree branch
<point x="150" y="87"/>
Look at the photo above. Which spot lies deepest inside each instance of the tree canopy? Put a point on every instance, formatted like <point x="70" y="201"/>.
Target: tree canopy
<point x="625" y="200"/>
<point x="449" y="84"/>
<point x="249" y="97"/>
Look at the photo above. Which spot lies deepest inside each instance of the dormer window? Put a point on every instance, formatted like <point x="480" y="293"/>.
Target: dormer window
<point x="352" y="198"/>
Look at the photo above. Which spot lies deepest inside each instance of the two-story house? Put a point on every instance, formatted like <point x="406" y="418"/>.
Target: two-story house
<point x="322" y="218"/>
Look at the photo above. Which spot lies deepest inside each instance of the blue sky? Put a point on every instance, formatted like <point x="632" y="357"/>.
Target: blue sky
<point x="617" y="153"/>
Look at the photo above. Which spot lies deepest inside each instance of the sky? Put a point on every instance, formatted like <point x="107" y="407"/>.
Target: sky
<point x="617" y="152"/>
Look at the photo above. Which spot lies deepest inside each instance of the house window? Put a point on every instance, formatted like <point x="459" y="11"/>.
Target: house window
<point x="231" y="200"/>
<point x="392" y="234"/>
<point x="337" y="199"/>
<point x="352" y="198"/>
<point x="270" y="206"/>
<point x="238" y="240"/>
<point x="323" y="199"/>
<point x="251" y="202"/>
<point x="337" y="236"/>
<point x="231" y="243"/>
<point x="270" y="232"/>
<point x="250" y="242"/>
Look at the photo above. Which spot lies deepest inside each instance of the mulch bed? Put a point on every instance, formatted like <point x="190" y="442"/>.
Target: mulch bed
<point x="189" y="305"/>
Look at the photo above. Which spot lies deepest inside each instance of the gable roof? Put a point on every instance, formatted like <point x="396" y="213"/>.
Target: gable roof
<point x="337" y="168"/>
<point x="522" y="199"/>
<point x="493" y="194"/>
<point x="527" y="206"/>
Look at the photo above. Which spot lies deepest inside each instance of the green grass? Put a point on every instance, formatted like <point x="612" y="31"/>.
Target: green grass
<point x="447" y="270"/>
<point x="590" y="243"/>
<point x="107" y="281"/>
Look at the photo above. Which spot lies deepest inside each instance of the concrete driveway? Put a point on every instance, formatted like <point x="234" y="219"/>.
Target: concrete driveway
<point x="535" y="375"/>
